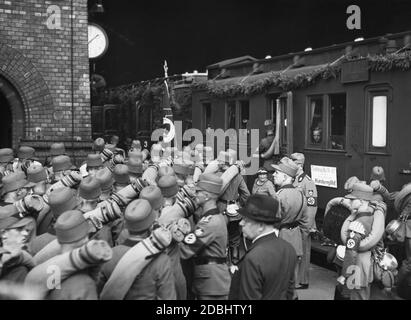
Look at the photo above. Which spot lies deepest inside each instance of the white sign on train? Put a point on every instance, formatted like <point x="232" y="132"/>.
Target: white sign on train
<point x="324" y="176"/>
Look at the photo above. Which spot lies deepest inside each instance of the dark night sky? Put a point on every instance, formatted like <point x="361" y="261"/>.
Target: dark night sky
<point x="193" y="34"/>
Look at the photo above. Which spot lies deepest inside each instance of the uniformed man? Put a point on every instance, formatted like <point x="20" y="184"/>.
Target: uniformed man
<point x="236" y="193"/>
<point x="304" y="182"/>
<point x="266" y="149"/>
<point x="72" y="232"/>
<point x="14" y="188"/>
<point x="16" y="231"/>
<point x="294" y="221"/>
<point x="6" y="161"/>
<point x="208" y="243"/>
<point x="156" y="281"/>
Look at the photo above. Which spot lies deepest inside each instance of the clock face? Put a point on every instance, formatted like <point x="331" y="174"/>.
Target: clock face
<point x="97" y="41"/>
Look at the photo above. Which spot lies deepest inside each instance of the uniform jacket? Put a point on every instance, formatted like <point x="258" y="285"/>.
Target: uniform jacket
<point x="237" y="189"/>
<point x="209" y="241"/>
<point x="155" y="282"/>
<point x="79" y="286"/>
<point x="293" y="205"/>
<point x="266" y="272"/>
<point x="309" y="189"/>
<point x="267" y="188"/>
<point x="264" y="146"/>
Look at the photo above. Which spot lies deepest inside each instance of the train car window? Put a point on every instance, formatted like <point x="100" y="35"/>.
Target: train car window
<point x="206" y="116"/>
<point x="283" y="106"/>
<point x="337" y="121"/>
<point x="379" y="121"/>
<point x="110" y="119"/>
<point x="97" y="119"/>
<point x="231" y="115"/>
<point x="244" y="113"/>
<point x="315" y="121"/>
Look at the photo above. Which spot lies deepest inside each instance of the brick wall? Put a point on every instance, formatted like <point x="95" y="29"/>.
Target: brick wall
<point x="35" y="58"/>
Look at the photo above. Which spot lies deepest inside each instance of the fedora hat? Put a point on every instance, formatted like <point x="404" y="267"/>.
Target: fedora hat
<point x="363" y="191"/>
<point x="209" y="182"/>
<point x="57" y="149"/>
<point x="35" y="174"/>
<point x="89" y="188"/>
<point x="25" y="152"/>
<point x="62" y="200"/>
<point x="61" y="163"/>
<point x="94" y="160"/>
<point x="6" y="155"/>
<point x="13" y="182"/>
<point x="153" y="195"/>
<point x="287" y="166"/>
<point x="71" y="226"/>
<point x="138" y="216"/>
<point x="261" y="208"/>
<point x="121" y="176"/>
<point x="135" y="165"/>
<point x="168" y="186"/>
<point x="105" y="178"/>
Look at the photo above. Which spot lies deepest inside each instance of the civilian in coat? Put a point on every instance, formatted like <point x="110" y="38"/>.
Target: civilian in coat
<point x="266" y="272"/>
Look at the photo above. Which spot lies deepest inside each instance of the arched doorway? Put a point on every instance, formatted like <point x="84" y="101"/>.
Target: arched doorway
<point x="5" y="123"/>
<point x="11" y="115"/>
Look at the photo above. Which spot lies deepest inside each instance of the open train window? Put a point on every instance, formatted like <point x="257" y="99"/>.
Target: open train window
<point x="315" y="125"/>
<point x="326" y="122"/>
<point x="378" y="109"/>
<point x="231" y="115"/>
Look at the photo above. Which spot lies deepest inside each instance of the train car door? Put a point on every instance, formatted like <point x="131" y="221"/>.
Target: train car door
<point x="281" y="113"/>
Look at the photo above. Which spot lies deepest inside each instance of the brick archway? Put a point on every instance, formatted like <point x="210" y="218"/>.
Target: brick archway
<point x="12" y="110"/>
<point x="26" y="91"/>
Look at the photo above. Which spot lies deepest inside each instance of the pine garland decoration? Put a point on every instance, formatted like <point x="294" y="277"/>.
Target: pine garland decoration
<point x="376" y="63"/>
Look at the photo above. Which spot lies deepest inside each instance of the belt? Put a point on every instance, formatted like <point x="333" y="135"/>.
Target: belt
<point x="290" y="225"/>
<point x="227" y="202"/>
<point x="209" y="260"/>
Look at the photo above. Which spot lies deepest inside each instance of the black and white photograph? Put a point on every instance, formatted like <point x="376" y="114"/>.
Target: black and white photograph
<point x="229" y="151"/>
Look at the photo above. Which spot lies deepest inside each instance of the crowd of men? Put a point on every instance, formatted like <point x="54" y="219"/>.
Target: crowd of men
<point x="173" y="224"/>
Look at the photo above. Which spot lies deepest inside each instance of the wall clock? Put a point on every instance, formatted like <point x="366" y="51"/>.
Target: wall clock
<point x="97" y="41"/>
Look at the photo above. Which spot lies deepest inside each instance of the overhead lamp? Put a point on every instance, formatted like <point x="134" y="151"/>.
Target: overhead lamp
<point x="98" y="7"/>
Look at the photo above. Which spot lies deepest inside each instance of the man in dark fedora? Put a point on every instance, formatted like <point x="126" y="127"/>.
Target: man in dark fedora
<point x="266" y="272"/>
